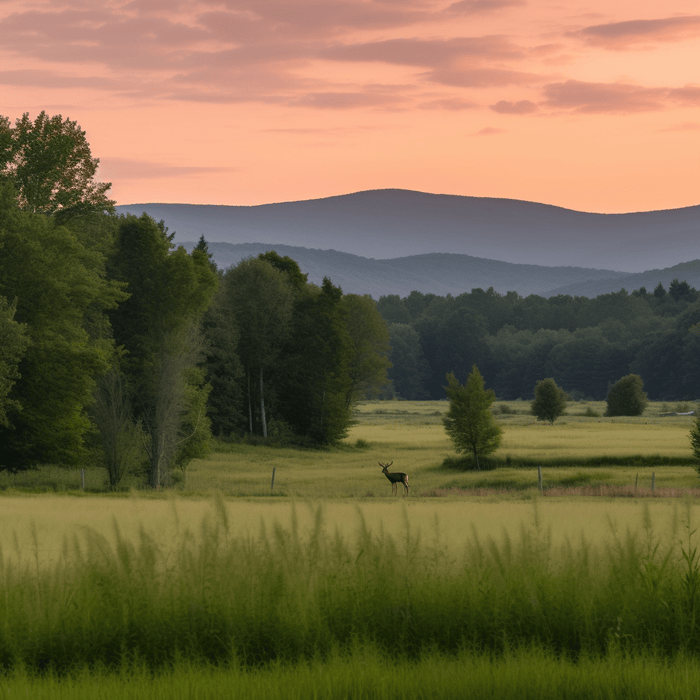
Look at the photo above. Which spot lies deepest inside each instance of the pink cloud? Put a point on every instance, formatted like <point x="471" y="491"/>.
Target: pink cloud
<point x="615" y="98"/>
<point x="116" y="168"/>
<point x="347" y="100"/>
<point x="420" y="52"/>
<point x="476" y="7"/>
<point x="490" y="131"/>
<point x="625" y="35"/>
<point x="521" y="107"/>
<point x="453" y="104"/>
<point x="482" y="77"/>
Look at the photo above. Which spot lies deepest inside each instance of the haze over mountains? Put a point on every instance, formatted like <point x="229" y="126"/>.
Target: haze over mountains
<point x="395" y="241"/>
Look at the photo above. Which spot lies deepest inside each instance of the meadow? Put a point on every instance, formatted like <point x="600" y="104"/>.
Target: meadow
<point x="476" y="585"/>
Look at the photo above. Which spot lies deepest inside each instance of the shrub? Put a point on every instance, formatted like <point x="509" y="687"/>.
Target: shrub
<point x="626" y="397"/>
<point x="550" y="400"/>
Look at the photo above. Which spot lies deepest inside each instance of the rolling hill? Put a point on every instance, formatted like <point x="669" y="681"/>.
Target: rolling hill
<point x="386" y="224"/>
<point x="437" y="273"/>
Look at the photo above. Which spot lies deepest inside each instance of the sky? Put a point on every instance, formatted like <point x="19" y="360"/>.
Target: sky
<point x="587" y="104"/>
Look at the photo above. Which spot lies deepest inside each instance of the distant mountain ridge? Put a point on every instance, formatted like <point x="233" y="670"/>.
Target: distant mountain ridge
<point x="436" y="273"/>
<point x="384" y="224"/>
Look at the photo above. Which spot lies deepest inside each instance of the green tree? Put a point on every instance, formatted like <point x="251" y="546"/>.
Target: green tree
<point x="261" y="298"/>
<point x="314" y="379"/>
<point x="368" y="362"/>
<point x="59" y="286"/>
<point x="158" y="327"/>
<point x="13" y="343"/>
<point x="626" y="397"/>
<point x="48" y="160"/>
<point x="550" y="400"/>
<point x="409" y="370"/>
<point x="469" y="421"/>
<point x="695" y="440"/>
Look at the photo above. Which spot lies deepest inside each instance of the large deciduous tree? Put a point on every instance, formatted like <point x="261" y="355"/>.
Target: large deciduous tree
<point x="60" y="293"/>
<point x="48" y="160"/>
<point x="369" y="357"/>
<point x="469" y="421"/>
<point x="158" y="326"/>
<point x="261" y="297"/>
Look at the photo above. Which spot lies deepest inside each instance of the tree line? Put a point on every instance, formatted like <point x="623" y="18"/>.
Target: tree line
<point x="584" y="344"/>
<point x="118" y="347"/>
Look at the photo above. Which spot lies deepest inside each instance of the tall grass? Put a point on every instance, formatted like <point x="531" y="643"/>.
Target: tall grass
<point x="287" y="595"/>
<point x="368" y="674"/>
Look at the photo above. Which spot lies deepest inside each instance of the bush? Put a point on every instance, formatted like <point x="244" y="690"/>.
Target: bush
<point x="626" y="397"/>
<point x="550" y="400"/>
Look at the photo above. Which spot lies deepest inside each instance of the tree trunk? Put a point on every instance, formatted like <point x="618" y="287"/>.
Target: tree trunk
<point x="262" y="405"/>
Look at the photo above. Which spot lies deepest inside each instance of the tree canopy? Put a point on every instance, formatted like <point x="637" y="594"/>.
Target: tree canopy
<point x="49" y="162"/>
<point x="549" y="402"/>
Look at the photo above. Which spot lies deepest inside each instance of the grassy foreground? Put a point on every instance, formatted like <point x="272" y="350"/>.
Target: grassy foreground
<point x="368" y="674"/>
<point x="294" y="595"/>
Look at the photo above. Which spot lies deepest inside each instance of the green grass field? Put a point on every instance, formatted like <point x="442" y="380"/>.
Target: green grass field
<point x="476" y="585"/>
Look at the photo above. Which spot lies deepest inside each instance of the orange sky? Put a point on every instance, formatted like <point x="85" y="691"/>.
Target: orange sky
<point x="585" y="104"/>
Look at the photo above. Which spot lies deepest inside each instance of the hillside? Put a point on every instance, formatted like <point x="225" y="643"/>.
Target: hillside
<point x="437" y="273"/>
<point x="383" y="224"/>
<point x="689" y="271"/>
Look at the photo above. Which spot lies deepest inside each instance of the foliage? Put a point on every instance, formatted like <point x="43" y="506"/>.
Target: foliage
<point x="315" y="382"/>
<point x="158" y="327"/>
<point x="49" y="162"/>
<point x="695" y="439"/>
<point x="469" y="421"/>
<point x="61" y="296"/>
<point x="550" y="400"/>
<point x="409" y="369"/>
<point x="626" y="397"/>
<point x="261" y="298"/>
<point x="13" y="343"/>
<point x="369" y="337"/>
<point x="583" y="344"/>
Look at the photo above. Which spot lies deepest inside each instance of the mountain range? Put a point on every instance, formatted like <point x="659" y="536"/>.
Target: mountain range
<point x="394" y="241"/>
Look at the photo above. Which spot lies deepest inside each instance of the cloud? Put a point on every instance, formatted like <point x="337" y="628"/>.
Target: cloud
<point x="490" y="131"/>
<point x="477" y="7"/>
<point x="616" y="98"/>
<point x="54" y="79"/>
<point x="450" y="104"/>
<point x="421" y="52"/>
<point x="686" y="126"/>
<point x="625" y="35"/>
<point x="522" y="107"/>
<point x="347" y="100"/>
<point x="482" y="77"/>
<point x="116" y="168"/>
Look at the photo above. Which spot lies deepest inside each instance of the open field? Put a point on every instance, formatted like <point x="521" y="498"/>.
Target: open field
<point x="580" y="452"/>
<point x="327" y="585"/>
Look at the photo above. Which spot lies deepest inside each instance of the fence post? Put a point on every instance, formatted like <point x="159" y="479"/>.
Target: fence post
<point x="539" y="477"/>
<point x="653" y="482"/>
<point x="82" y="479"/>
<point x="636" y="479"/>
<point x="272" y="485"/>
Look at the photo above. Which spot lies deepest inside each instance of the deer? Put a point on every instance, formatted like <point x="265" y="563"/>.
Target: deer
<point x="395" y="478"/>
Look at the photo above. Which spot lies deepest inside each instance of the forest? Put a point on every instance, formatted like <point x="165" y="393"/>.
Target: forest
<point x="584" y="344"/>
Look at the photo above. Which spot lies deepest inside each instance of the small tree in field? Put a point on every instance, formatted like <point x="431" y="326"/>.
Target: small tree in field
<point x="550" y="400"/>
<point x="469" y="421"/>
<point x="695" y="441"/>
<point x="627" y="397"/>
